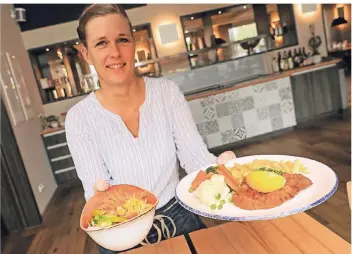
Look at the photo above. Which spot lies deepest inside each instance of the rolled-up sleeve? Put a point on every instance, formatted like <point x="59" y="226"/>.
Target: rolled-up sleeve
<point x="88" y="162"/>
<point x="191" y="149"/>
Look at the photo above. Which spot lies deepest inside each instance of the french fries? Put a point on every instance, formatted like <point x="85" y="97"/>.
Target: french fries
<point x="239" y="171"/>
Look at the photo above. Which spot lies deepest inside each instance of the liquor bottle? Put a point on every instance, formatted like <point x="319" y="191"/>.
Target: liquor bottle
<point x="306" y="56"/>
<point x="68" y="87"/>
<point x="309" y="58"/>
<point x="300" y="60"/>
<point x="274" y="65"/>
<point x="279" y="61"/>
<point x="290" y="60"/>
<point x="285" y="61"/>
<point x="296" y="58"/>
<point x="304" y="59"/>
<point x="282" y="63"/>
<point x="279" y="30"/>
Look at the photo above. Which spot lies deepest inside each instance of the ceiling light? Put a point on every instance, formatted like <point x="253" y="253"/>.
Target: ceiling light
<point x="47" y="49"/>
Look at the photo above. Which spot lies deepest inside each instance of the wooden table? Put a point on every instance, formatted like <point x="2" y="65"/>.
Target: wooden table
<point x="298" y="233"/>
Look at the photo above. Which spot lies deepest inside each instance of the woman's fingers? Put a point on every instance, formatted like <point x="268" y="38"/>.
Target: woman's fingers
<point x="101" y="185"/>
<point x="225" y="157"/>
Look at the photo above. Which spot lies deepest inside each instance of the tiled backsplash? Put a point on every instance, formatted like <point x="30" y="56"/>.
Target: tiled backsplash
<point x="243" y="113"/>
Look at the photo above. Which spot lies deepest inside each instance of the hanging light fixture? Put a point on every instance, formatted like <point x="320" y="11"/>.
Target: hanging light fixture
<point x="340" y="20"/>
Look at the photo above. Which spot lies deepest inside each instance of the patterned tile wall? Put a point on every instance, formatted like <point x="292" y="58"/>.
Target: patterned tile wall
<point x="243" y="113"/>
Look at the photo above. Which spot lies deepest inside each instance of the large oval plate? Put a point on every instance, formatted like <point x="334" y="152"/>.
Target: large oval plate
<point x="325" y="183"/>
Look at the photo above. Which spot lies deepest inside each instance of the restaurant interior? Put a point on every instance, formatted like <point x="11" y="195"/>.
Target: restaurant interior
<point x="258" y="78"/>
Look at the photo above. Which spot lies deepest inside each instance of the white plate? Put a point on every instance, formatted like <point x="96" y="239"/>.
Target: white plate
<point x="324" y="180"/>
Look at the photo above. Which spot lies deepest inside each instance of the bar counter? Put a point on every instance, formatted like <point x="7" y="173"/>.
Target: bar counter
<point x="236" y="112"/>
<point x="264" y="79"/>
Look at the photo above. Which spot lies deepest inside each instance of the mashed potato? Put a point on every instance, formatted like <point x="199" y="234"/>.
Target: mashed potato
<point x="213" y="192"/>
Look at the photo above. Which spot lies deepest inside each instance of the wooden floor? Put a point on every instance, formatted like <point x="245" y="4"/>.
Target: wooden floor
<point x="328" y="141"/>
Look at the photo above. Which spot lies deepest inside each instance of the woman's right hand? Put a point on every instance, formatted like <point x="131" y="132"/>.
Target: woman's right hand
<point x="101" y="185"/>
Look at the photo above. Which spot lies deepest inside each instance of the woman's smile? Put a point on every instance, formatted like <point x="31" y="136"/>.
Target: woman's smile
<point x="116" y="66"/>
<point x="110" y="48"/>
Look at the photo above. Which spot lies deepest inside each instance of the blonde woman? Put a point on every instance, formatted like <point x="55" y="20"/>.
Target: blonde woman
<point x="133" y="130"/>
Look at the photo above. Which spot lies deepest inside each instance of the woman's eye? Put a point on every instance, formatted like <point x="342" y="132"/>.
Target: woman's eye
<point x="123" y="40"/>
<point x="101" y="43"/>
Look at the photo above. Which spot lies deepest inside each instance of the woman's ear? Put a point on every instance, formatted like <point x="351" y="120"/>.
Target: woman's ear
<point x="84" y="52"/>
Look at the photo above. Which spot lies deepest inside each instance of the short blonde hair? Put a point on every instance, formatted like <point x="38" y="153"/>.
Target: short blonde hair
<point x="98" y="10"/>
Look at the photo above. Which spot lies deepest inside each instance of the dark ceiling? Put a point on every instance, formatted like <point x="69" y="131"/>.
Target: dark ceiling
<point x="41" y="15"/>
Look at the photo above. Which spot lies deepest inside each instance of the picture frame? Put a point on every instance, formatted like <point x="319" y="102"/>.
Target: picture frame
<point x="168" y="33"/>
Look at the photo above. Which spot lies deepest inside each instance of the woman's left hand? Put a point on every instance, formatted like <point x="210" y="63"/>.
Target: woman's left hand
<point x="225" y="157"/>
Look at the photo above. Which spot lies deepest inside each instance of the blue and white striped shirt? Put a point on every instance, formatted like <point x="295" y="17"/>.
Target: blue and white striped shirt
<point x="102" y="147"/>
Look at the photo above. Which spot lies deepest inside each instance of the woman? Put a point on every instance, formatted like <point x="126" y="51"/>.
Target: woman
<point x="132" y="130"/>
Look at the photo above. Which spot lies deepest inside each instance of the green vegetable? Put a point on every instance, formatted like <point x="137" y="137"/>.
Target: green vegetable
<point x="94" y="222"/>
<point x="219" y="207"/>
<point x="230" y="199"/>
<point x="222" y="202"/>
<point x="190" y="190"/>
<point x="213" y="207"/>
<point x="213" y="169"/>
<point x="98" y="217"/>
<point x="218" y="196"/>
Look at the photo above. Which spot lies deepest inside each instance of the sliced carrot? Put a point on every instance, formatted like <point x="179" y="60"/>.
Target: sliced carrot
<point x="229" y="179"/>
<point x="201" y="177"/>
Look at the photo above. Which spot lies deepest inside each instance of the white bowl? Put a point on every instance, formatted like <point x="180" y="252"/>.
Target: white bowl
<point x="124" y="235"/>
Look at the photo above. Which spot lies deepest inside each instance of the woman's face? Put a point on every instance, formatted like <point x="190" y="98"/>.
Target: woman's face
<point x="110" y="48"/>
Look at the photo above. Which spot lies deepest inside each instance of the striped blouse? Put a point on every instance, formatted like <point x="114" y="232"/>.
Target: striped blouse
<point x="102" y="147"/>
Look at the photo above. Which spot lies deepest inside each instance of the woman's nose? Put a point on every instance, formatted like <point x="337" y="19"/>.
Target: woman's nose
<point x="114" y="50"/>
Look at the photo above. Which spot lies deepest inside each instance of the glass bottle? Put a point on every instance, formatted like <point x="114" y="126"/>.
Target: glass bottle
<point x="290" y="60"/>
